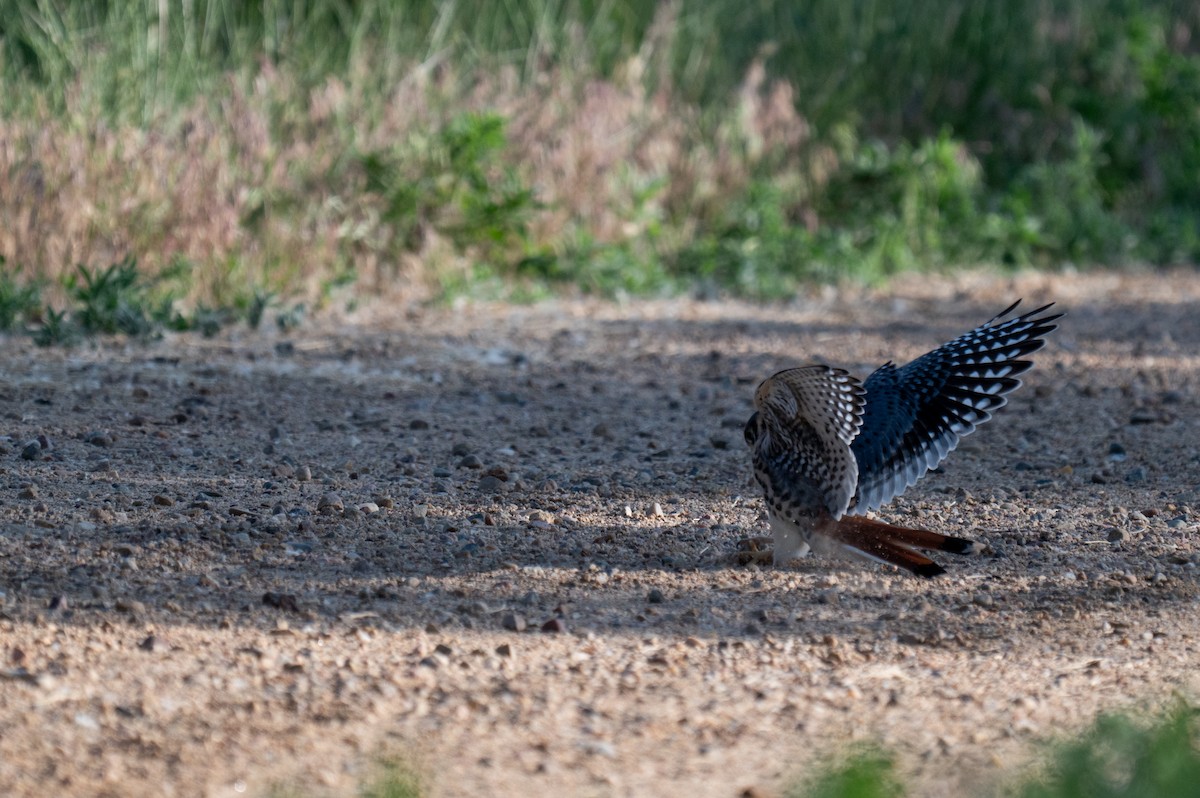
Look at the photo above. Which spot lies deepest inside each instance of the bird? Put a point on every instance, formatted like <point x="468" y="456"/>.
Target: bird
<point x="828" y="448"/>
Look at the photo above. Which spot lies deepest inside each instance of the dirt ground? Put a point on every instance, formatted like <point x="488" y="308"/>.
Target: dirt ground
<point x="495" y="542"/>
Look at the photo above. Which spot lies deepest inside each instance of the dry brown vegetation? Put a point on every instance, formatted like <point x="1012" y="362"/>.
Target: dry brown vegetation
<point x="260" y="184"/>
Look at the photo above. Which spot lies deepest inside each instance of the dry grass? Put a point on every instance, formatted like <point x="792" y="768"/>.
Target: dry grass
<point x="256" y="186"/>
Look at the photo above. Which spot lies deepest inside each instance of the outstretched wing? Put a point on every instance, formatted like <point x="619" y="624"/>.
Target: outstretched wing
<point x="801" y="436"/>
<point x="916" y="414"/>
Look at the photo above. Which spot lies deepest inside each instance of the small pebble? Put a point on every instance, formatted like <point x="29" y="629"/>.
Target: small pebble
<point x="491" y="484"/>
<point x="102" y="439"/>
<point x="554" y="626"/>
<point x="131" y="606"/>
<point x="655" y="596"/>
<point x="163" y="500"/>
<point x="330" y="504"/>
<point x="514" y="622"/>
<point x="829" y="595"/>
<point x="1136" y="475"/>
<point x="599" y="748"/>
<point x="470" y="461"/>
<point x="31" y="451"/>
<point x="281" y="601"/>
<point x="85" y="721"/>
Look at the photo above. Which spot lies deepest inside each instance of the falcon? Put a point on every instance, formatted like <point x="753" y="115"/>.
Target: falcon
<point x="828" y="448"/>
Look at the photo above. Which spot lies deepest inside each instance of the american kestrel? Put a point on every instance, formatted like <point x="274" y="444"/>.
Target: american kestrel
<point x="828" y="448"/>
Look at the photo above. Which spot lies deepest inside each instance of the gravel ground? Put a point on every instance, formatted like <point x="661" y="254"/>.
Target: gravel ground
<point x="496" y="542"/>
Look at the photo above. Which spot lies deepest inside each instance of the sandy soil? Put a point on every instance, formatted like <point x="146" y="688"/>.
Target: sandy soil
<point x="495" y="542"/>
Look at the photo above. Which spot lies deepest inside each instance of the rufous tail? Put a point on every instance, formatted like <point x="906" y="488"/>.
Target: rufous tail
<point x="897" y="545"/>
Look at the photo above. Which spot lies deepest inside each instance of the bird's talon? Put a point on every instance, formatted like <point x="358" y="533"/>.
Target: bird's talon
<point x="754" y="551"/>
<point x="755" y="544"/>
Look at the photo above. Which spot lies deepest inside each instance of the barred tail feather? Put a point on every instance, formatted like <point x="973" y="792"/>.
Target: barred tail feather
<point x="897" y="545"/>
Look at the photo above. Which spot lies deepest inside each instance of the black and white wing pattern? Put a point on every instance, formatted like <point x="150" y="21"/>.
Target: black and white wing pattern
<point x="800" y="434"/>
<point x="916" y="414"/>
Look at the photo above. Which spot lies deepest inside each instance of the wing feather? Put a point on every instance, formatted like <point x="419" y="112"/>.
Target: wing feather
<point x="915" y="415"/>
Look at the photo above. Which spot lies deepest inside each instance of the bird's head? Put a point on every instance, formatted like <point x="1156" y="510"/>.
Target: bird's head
<point x="752" y="430"/>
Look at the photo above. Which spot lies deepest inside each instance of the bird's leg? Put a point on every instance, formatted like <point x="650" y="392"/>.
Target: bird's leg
<point x="754" y="551"/>
<point x="787" y="542"/>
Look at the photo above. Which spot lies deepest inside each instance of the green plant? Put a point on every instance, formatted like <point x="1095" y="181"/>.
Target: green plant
<point x="394" y="779"/>
<point x="865" y="773"/>
<point x="255" y="306"/>
<point x="19" y="302"/>
<point x="1120" y="758"/>
<point x="452" y="182"/>
<point x="290" y="318"/>
<point x="56" y="329"/>
<point x="112" y="300"/>
<point x="1069" y="201"/>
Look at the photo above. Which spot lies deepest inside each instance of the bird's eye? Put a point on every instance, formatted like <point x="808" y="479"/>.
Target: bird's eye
<point x="751" y="431"/>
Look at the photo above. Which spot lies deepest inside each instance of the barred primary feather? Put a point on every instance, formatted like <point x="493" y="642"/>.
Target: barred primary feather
<point x="915" y="415"/>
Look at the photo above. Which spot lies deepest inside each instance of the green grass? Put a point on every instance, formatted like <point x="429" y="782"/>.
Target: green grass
<point x="121" y="299"/>
<point x="19" y="302"/>
<point x="390" y="777"/>
<point x="393" y="779"/>
<point x="1117" y="757"/>
<point x="1120" y="758"/>
<point x="316" y="151"/>
<point x="865" y="773"/>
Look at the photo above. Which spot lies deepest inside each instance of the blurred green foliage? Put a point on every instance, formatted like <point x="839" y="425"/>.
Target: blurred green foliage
<point x="1116" y="757"/>
<point x="862" y="773"/>
<point x="1121" y="758"/>
<point x="1029" y="132"/>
